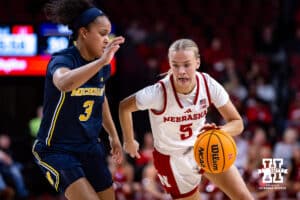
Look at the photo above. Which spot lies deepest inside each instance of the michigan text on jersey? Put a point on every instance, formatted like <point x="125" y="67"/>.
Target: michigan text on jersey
<point x="87" y="92"/>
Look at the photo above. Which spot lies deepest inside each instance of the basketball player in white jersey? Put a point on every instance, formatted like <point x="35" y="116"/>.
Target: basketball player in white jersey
<point x="177" y="108"/>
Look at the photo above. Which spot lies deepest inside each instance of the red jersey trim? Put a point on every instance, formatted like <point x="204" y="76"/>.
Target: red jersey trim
<point x="156" y="112"/>
<point x="207" y="89"/>
<point x="175" y="93"/>
<point x="198" y="90"/>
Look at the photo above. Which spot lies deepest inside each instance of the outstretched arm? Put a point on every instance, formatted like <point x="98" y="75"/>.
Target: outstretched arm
<point x="126" y="108"/>
<point x="67" y="80"/>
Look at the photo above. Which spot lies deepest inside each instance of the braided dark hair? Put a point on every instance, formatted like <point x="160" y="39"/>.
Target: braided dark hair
<point x="65" y="11"/>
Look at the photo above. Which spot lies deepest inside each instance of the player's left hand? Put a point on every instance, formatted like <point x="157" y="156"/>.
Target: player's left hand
<point x="111" y="49"/>
<point x="209" y="126"/>
<point x="116" y="150"/>
<point x="132" y="148"/>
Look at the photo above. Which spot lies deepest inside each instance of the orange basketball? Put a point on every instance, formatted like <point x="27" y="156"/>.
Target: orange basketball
<point x="215" y="151"/>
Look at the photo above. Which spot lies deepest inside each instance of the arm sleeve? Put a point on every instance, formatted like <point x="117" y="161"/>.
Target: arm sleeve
<point x="60" y="61"/>
<point x="219" y="96"/>
<point x="150" y="97"/>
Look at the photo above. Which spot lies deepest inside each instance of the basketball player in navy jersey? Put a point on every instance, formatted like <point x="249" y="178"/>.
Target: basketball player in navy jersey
<point x="67" y="148"/>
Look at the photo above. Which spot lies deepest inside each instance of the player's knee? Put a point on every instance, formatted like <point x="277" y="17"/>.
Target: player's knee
<point x="242" y="195"/>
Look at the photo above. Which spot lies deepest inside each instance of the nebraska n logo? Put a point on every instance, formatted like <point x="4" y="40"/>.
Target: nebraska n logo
<point x="272" y="170"/>
<point x="164" y="180"/>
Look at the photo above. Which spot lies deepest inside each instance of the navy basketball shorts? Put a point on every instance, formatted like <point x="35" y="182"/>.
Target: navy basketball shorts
<point x="62" y="168"/>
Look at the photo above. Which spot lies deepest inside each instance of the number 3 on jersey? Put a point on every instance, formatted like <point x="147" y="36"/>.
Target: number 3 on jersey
<point x="186" y="130"/>
<point x="88" y="105"/>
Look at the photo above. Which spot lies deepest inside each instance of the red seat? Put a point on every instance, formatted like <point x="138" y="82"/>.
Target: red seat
<point x="295" y="61"/>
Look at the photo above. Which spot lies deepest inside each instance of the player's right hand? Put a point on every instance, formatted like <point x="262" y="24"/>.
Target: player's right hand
<point x="111" y="48"/>
<point x="132" y="148"/>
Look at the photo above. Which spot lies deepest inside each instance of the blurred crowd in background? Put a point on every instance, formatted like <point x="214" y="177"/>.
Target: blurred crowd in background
<point x="251" y="47"/>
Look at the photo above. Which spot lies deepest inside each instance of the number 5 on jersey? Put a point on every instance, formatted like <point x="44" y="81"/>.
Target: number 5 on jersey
<point x="186" y="130"/>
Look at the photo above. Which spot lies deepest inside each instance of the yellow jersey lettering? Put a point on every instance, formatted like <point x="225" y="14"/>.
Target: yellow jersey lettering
<point x="88" y="92"/>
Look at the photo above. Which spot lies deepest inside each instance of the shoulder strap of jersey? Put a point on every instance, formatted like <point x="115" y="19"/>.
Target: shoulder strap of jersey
<point x="159" y="112"/>
<point x="207" y="89"/>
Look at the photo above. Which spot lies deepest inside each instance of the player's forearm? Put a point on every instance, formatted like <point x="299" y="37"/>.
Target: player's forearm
<point x="71" y="79"/>
<point x="108" y="123"/>
<point x="234" y="122"/>
<point x="126" y="107"/>
<point x="233" y="127"/>
<point x="126" y="125"/>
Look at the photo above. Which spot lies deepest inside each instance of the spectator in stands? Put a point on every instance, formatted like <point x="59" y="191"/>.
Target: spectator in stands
<point x="265" y="90"/>
<point x="152" y="188"/>
<point x="260" y="138"/>
<point x="266" y="43"/>
<point x="10" y="168"/>
<point x="284" y="148"/>
<point x="146" y="151"/>
<point x="258" y="112"/>
<point x="242" y="156"/>
<point x="214" y="57"/>
<point x="252" y="73"/>
<point x="293" y="182"/>
<point x="252" y="177"/>
<point x="123" y="175"/>
<point x="215" y="53"/>
<point x="135" y="32"/>
<point x="232" y="81"/>
<point x="34" y="123"/>
<point x="294" y="112"/>
<point x="293" y="45"/>
<point x="158" y="34"/>
<point x="6" y="193"/>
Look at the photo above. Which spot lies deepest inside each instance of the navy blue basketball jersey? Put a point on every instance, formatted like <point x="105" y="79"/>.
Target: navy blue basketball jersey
<point x="72" y="118"/>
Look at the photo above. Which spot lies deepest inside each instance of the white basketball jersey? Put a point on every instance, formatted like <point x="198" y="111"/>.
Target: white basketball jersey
<point x="176" y="126"/>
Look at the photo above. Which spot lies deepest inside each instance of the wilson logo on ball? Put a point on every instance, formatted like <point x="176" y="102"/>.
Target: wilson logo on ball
<point x="215" y="156"/>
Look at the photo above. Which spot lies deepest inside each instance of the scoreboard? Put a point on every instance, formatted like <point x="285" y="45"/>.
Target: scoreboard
<point x="25" y="50"/>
